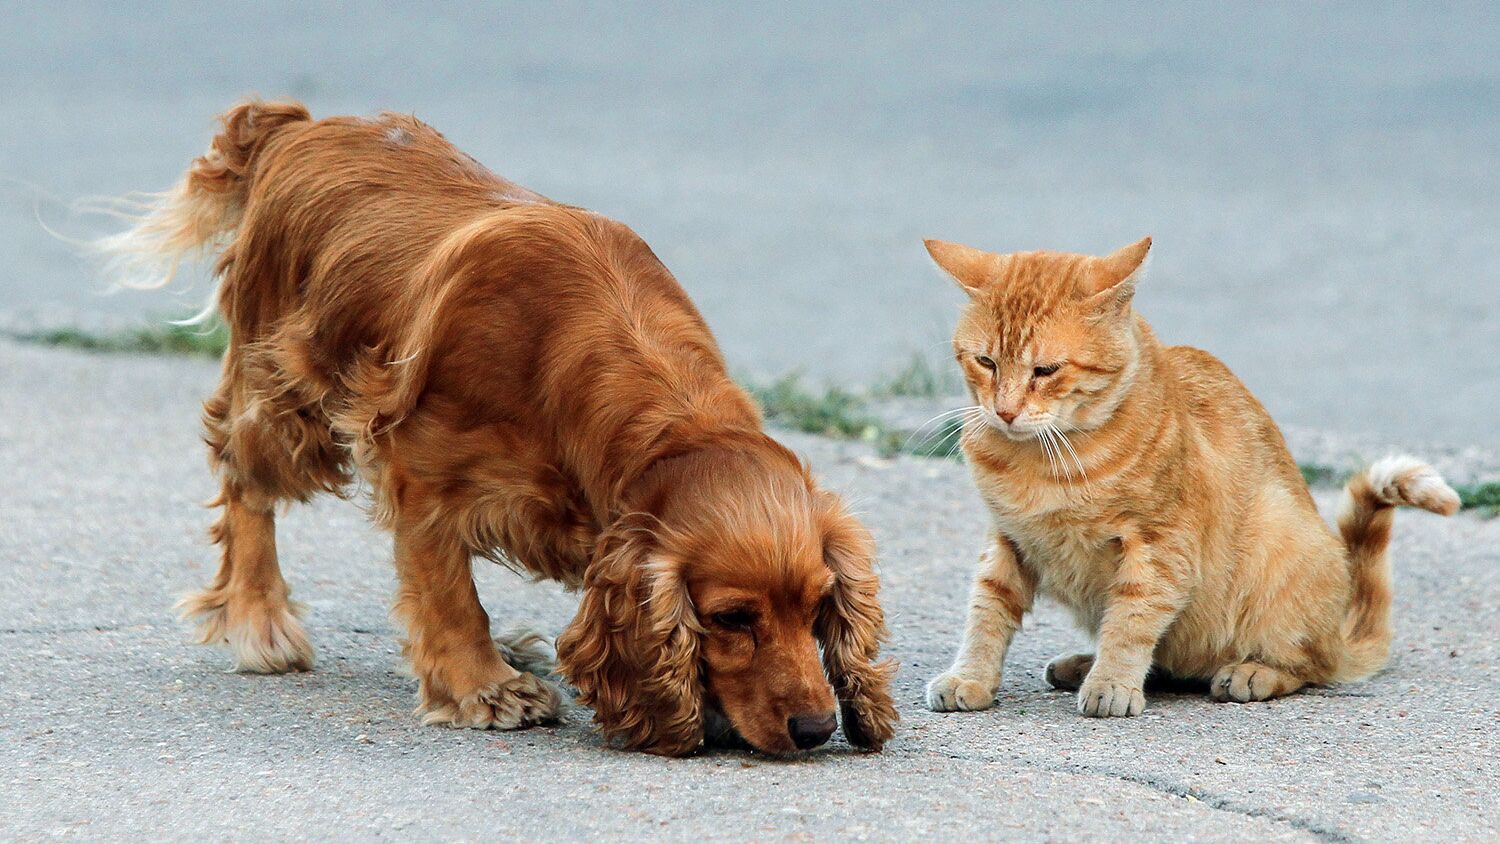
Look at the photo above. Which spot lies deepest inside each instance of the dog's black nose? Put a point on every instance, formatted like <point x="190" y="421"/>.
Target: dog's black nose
<point x="811" y="730"/>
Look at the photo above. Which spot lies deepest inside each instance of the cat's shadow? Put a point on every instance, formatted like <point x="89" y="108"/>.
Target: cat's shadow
<point x="1162" y="683"/>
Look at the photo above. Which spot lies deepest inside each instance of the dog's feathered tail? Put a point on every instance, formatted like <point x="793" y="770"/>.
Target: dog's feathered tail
<point x="202" y="210"/>
<point x="1364" y="520"/>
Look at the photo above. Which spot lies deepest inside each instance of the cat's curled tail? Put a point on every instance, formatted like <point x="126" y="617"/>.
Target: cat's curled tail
<point x="203" y="209"/>
<point x="1365" y="523"/>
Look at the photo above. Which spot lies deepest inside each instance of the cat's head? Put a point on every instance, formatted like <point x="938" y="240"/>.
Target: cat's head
<point x="1047" y="338"/>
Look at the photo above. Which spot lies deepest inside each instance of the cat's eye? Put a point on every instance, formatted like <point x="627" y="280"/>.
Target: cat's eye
<point x="1044" y="371"/>
<point x="734" y="619"/>
<point x="986" y="361"/>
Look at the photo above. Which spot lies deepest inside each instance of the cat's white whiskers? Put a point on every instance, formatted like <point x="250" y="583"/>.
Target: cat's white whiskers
<point x="1077" y="461"/>
<point x="938" y="422"/>
<point x="1063" y="472"/>
<point x="975" y="415"/>
<point x="969" y="429"/>
<point x="939" y="419"/>
<point x="953" y="412"/>
<point x="1062" y="459"/>
<point x="1045" y="439"/>
<point x="975" y="422"/>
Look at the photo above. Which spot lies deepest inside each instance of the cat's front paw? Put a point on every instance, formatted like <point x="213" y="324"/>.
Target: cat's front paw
<point x="953" y="692"/>
<point x="1106" y="698"/>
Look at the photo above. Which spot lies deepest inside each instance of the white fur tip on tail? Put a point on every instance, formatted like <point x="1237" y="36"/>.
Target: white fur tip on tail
<point x="1404" y="480"/>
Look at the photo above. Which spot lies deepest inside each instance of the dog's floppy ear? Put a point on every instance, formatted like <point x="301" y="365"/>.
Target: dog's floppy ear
<point x="633" y="648"/>
<point x="851" y="627"/>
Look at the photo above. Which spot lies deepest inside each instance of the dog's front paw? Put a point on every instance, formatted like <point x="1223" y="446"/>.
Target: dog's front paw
<point x="522" y="701"/>
<point x="954" y="692"/>
<point x="1102" y="697"/>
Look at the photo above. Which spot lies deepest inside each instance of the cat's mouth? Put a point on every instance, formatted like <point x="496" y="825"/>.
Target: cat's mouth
<point x="1019" y="430"/>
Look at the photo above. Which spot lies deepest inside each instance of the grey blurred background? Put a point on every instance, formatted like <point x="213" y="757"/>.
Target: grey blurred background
<point x="1322" y="180"/>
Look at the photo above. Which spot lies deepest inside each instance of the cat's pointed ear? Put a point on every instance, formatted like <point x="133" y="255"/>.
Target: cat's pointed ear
<point x="971" y="268"/>
<point x="1115" y="276"/>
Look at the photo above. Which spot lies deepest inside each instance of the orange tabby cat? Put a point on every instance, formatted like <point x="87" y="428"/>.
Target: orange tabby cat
<point x="1144" y="488"/>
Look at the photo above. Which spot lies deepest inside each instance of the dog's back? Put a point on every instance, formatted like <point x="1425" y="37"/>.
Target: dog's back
<point x="341" y="216"/>
<point x="375" y="244"/>
<point x="368" y="267"/>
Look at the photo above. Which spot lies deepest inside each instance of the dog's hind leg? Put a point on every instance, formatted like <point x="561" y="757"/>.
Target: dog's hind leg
<point x="464" y="681"/>
<point x="264" y="456"/>
<point x="248" y="606"/>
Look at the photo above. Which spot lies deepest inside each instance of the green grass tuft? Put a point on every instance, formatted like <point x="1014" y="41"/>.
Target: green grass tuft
<point x="918" y="379"/>
<point x="1484" y="497"/>
<point x="838" y="413"/>
<point x="1316" y="474"/>
<point x="941" y="443"/>
<point x="833" y="412"/>
<point x="164" y="339"/>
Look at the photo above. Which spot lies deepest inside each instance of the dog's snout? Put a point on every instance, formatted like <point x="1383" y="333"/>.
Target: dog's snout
<point x="809" y="731"/>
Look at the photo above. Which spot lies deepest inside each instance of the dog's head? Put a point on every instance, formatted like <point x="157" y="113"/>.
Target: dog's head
<point x="745" y="602"/>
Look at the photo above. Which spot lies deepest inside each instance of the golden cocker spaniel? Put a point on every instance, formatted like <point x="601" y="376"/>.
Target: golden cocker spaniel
<point x="519" y="380"/>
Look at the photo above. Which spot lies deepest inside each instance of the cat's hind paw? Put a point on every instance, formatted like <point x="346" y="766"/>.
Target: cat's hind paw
<point x="1068" y="670"/>
<point x="953" y="692"/>
<point x="1100" y="698"/>
<point x="1251" y="681"/>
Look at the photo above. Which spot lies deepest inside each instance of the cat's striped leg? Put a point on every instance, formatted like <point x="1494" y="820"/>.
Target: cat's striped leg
<point x="1002" y="594"/>
<point x="1147" y="594"/>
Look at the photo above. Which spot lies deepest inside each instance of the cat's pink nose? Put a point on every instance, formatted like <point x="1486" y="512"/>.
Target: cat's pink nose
<point x="1008" y="415"/>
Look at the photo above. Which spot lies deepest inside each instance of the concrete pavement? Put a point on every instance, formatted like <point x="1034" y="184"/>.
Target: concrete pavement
<point x="112" y="726"/>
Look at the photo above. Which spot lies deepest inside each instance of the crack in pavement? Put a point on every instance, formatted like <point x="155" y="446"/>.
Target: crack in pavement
<point x="1217" y="802"/>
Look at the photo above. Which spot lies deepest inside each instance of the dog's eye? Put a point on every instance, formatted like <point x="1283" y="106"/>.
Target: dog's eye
<point x="735" y="619"/>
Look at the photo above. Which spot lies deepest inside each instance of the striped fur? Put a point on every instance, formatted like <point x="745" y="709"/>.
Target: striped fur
<point x="1146" y="489"/>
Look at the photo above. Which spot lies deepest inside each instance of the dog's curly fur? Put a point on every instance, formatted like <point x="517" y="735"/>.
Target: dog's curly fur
<point x="520" y="380"/>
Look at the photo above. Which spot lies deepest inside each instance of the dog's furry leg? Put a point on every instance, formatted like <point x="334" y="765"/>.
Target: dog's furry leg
<point x="248" y="606"/>
<point x="464" y="680"/>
